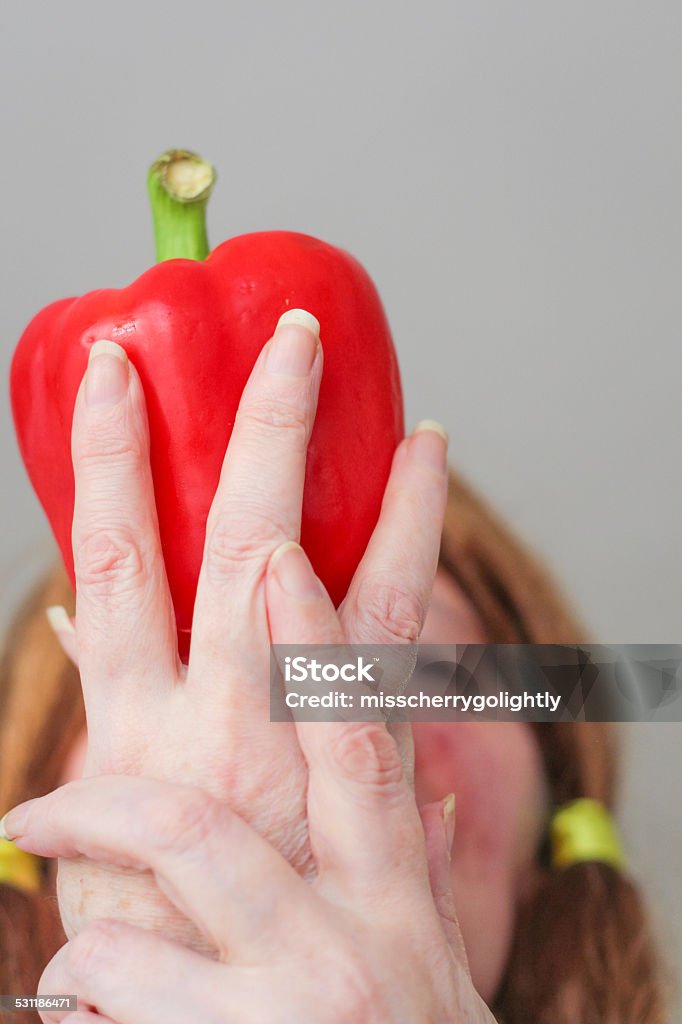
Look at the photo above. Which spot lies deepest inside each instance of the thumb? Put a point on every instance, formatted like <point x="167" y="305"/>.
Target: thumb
<point x="438" y="822"/>
<point x="64" y="629"/>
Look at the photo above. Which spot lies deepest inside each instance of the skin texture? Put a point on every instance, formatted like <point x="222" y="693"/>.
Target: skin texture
<point x="296" y="851"/>
<point x="498" y="825"/>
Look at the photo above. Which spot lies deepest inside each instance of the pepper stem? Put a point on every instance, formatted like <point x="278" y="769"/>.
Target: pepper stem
<point x="179" y="184"/>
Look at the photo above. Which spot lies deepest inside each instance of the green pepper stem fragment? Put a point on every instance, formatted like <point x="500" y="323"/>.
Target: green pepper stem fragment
<point x="179" y="185"/>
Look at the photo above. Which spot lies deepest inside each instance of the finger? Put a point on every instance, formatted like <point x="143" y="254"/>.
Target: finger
<point x="124" y="617"/>
<point x="357" y="777"/>
<point x="438" y="822"/>
<point x="346" y="844"/>
<point x="390" y="592"/>
<point x="257" y="505"/>
<point x="241" y="894"/>
<point x="364" y="827"/>
<point x="63" y="628"/>
<point x="299" y="608"/>
<point x="301" y="613"/>
<point x="389" y="595"/>
<point x="132" y="976"/>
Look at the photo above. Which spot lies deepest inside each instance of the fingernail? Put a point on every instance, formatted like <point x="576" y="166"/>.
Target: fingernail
<point x="13" y="823"/>
<point x="58" y="618"/>
<point x="294" y="344"/>
<point x="430" y="444"/>
<point x="106" y="379"/>
<point x="449" y="819"/>
<point x="294" y="572"/>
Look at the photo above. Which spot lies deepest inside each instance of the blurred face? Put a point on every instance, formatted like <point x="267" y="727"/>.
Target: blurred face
<point x="496" y="773"/>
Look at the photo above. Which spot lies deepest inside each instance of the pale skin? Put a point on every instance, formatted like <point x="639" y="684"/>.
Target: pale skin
<point x="215" y="866"/>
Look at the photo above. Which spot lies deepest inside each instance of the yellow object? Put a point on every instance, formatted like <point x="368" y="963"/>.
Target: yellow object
<point x="19" y="868"/>
<point x="584" y="830"/>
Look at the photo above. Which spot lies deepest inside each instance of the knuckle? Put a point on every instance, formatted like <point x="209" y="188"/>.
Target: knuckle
<point x="388" y="612"/>
<point x="276" y="418"/>
<point x="182" y="823"/>
<point x="368" y="755"/>
<point x="94" y="948"/>
<point x="358" y="995"/>
<point x="106" y="446"/>
<point x="110" y="559"/>
<point x="239" y="535"/>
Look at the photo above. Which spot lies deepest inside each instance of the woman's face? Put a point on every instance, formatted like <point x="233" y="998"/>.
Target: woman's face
<point x="496" y="773"/>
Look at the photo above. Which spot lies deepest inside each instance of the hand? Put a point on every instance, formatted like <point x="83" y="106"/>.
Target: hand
<point x="373" y="937"/>
<point x="208" y="723"/>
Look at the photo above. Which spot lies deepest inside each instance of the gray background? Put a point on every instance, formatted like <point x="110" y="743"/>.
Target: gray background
<point x="510" y="176"/>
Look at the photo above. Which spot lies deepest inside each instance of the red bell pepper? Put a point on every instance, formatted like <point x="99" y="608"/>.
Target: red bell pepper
<point x="193" y="325"/>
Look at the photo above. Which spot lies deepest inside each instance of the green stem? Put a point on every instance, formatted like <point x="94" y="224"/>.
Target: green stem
<point x="179" y="184"/>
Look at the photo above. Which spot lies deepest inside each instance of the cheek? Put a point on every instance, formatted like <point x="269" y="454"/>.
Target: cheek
<point x="492" y="769"/>
<point x="486" y="912"/>
<point x="495" y="771"/>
